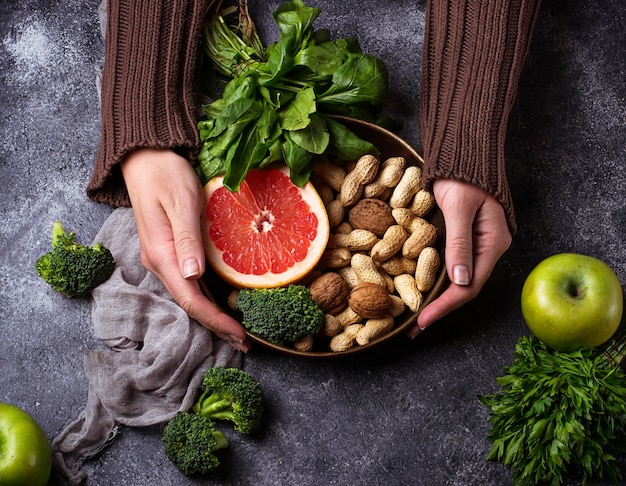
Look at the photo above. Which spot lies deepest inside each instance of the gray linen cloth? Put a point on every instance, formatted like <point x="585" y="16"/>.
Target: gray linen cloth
<point x="154" y="356"/>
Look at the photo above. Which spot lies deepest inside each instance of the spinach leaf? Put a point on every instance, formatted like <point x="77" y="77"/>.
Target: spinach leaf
<point x="222" y="136"/>
<point x="319" y="59"/>
<point x="295" y="20"/>
<point x="254" y="148"/>
<point x="314" y="137"/>
<point x="296" y="115"/>
<point x="298" y="160"/>
<point x="345" y="144"/>
<point x="361" y="79"/>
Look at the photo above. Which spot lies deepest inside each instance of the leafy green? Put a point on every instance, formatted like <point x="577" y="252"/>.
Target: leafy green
<point x="276" y="101"/>
<point x="559" y="412"/>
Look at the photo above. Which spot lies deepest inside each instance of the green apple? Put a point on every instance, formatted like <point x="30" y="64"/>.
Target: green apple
<point x="570" y="301"/>
<point x="25" y="455"/>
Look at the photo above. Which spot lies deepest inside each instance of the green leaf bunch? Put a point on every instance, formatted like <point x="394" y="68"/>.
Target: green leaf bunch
<point x="558" y="413"/>
<point x="276" y="101"/>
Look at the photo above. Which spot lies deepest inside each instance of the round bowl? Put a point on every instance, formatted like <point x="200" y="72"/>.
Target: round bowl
<point x="389" y="145"/>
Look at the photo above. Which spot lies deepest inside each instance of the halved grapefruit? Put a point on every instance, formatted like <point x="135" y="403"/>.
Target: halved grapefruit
<point x="270" y="233"/>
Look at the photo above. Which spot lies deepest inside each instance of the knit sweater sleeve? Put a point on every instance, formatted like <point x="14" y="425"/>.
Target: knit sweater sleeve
<point x="147" y="86"/>
<point x="473" y="55"/>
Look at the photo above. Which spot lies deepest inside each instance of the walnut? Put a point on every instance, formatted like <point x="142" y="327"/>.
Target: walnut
<point x="330" y="291"/>
<point x="369" y="300"/>
<point x="371" y="214"/>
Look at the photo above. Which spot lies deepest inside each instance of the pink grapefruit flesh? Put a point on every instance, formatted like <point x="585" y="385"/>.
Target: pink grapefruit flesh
<point x="270" y="233"/>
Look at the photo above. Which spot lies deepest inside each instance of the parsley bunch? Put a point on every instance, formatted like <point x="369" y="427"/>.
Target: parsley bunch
<point x="559" y="412"/>
<point x="276" y="101"/>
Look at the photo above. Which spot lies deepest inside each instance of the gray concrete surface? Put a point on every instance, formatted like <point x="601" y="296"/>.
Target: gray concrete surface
<point x="404" y="414"/>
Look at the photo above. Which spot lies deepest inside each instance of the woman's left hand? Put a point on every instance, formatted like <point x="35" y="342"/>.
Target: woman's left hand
<point x="477" y="235"/>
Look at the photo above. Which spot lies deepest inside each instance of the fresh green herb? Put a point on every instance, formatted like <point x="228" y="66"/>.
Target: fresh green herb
<point x="559" y="412"/>
<point x="276" y="101"/>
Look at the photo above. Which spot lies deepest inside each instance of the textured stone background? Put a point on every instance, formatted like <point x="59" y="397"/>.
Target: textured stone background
<point x="404" y="414"/>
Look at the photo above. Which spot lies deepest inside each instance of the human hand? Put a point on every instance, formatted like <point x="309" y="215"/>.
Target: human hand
<point x="477" y="235"/>
<point x="168" y="201"/>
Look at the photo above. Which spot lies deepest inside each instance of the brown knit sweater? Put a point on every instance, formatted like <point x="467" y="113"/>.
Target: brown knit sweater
<point x="473" y="54"/>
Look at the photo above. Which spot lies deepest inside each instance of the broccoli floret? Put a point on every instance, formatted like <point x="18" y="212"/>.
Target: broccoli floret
<point x="191" y="442"/>
<point x="231" y="394"/>
<point x="73" y="269"/>
<point x="280" y="315"/>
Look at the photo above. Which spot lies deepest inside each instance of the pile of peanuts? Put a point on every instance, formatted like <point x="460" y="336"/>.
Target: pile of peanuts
<point x="381" y="256"/>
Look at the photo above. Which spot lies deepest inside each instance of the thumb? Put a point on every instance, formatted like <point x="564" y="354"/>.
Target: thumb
<point x="458" y="216"/>
<point x="187" y="234"/>
<point x="458" y="254"/>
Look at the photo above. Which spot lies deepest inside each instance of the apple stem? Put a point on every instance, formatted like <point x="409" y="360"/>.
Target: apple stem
<point x="577" y="291"/>
<point x="615" y="351"/>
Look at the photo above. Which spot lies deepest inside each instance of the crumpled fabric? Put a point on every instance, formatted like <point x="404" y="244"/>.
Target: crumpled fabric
<point x="153" y="360"/>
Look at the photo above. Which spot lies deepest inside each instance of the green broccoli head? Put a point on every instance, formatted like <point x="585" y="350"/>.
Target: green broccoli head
<point x="231" y="394"/>
<point x="191" y="442"/>
<point x="73" y="269"/>
<point x="280" y="315"/>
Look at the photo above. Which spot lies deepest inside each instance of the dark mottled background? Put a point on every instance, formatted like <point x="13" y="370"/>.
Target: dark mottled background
<point x="405" y="414"/>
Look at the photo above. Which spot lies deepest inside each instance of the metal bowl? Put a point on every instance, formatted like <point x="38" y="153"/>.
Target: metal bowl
<point x="389" y="145"/>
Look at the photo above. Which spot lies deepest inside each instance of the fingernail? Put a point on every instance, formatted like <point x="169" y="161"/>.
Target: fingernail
<point x="238" y="344"/>
<point x="235" y="339"/>
<point x="415" y="332"/>
<point x="460" y="275"/>
<point x="239" y="347"/>
<point x="191" y="268"/>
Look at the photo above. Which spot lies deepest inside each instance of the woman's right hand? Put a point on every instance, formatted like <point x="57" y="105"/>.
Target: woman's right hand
<point x="168" y="201"/>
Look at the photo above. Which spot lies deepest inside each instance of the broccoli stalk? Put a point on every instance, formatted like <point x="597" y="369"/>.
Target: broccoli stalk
<point x="280" y="315"/>
<point x="192" y="443"/>
<point x="231" y="394"/>
<point x="73" y="269"/>
<point x="210" y="404"/>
